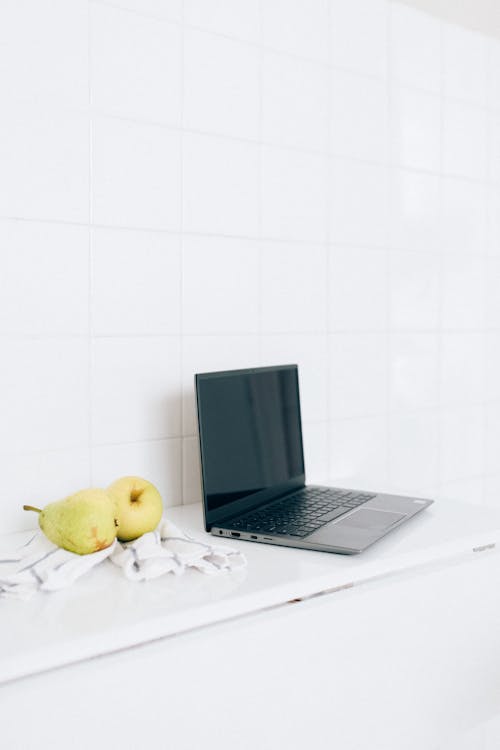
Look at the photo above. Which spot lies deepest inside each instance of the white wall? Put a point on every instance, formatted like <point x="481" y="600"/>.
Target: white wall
<point x="207" y="185"/>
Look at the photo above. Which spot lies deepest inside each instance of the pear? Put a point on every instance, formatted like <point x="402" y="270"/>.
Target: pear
<point x="81" y="523"/>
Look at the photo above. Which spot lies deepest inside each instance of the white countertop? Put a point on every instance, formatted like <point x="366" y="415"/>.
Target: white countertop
<point x="103" y="612"/>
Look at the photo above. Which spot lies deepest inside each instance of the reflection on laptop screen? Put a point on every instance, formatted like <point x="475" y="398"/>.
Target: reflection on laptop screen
<point x="250" y="432"/>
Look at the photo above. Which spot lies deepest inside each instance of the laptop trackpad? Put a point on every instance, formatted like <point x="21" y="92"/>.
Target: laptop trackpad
<point x="366" y="518"/>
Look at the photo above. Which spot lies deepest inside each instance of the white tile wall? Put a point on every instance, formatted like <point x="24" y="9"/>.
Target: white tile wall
<point x="135" y="283"/>
<point x="135" y="388"/>
<point x="188" y="186"/>
<point x="41" y="292"/>
<point x="34" y="38"/>
<point x="415" y="48"/>
<point x="358" y="116"/>
<point x="136" y="173"/>
<point x="293" y="195"/>
<point x="358" y="35"/>
<point x="139" y="75"/>
<point x="465" y="64"/>
<point x="220" y="185"/>
<point x="221" y="95"/>
<point x="416" y="128"/>
<point x="220" y="286"/>
<point x="45" y="165"/>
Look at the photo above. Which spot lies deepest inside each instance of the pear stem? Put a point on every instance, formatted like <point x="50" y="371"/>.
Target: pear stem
<point x="31" y="507"/>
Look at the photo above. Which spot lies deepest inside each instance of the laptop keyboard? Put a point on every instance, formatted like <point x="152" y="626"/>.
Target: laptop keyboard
<point x="301" y="513"/>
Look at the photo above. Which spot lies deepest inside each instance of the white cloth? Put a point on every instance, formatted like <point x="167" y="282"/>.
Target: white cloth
<point x="170" y="550"/>
<point x="40" y="565"/>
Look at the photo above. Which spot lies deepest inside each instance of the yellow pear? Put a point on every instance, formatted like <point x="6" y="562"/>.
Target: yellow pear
<point x="81" y="523"/>
<point x="138" y="507"/>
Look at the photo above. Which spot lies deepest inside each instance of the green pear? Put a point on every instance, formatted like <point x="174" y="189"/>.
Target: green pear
<point x="81" y="523"/>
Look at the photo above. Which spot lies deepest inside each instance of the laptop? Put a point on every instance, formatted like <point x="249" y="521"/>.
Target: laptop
<point x="253" y="474"/>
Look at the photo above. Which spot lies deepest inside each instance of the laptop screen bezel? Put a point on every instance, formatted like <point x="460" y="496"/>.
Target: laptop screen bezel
<point x="256" y="499"/>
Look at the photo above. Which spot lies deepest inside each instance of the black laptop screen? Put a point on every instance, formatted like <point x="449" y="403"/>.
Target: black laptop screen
<point x="250" y="433"/>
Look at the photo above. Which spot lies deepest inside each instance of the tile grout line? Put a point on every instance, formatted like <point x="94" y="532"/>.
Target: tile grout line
<point x="329" y="267"/>
<point x="91" y="240"/>
<point x="260" y="226"/>
<point x="441" y="270"/>
<point x="181" y="265"/>
<point x="388" y="427"/>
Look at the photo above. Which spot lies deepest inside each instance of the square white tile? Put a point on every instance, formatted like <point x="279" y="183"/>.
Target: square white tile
<point x="463" y="292"/>
<point x="492" y="439"/>
<point x="294" y="102"/>
<point x="299" y="27"/>
<point x="358" y="116"/>
<point x="159" y="461"/>
<point x="465" y="129"/>
<point x="491" y="492"/>
<point x="136" y="283"/>
<point x="358" y="190"/>
<point x="44" y="285"/>
<point x="414" y="284"/>
<point x="220" y="285"/>
<point x="358" y="374"/>
<point x="359" y="35"/>
<point x="136" y="176"/>
<point x="357" y="290"/>
<point x="462" y="369"/>
<point x="44" y="54"/>
<point x="358" y="453"/>
<point x="235" y="18"/>
<point x="415" y="204"/>
<point x="492" y="296"/>
<point x="294" y="195"/>
<point x="135" y="65"/>
<point x="211" y="354"/>
<point x="293" y="288"/>
<point x="493" y="230"/>
<point x="462" y="443"/>
<point x="315" y="445"/>
<point x="414" y="452"/>
<point x="310" y="353"/>
<point x="492" y="365"/>
<point x="494" y="146"/>
<point x="415" y="47"/>
<point x="416" y="129"/>
<point x="493" y="84"/>
<point x="45" y="165"/>
<point x="413" y="371"/>
<point x="465" y="63"/>
<point x="136" y="389"/>
<point x="44" y="394"/>
<point x="220" y="186"/>
<point x="464" y="216"/>
<point x="221" y="85"/>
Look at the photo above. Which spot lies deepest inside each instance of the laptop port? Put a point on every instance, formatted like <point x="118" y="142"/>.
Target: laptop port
<point x="235" y="533"/>
<point x="252" y="536"/>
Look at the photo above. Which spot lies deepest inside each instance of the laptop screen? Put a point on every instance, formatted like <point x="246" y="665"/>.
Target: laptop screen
<point x="250" y="437"/>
